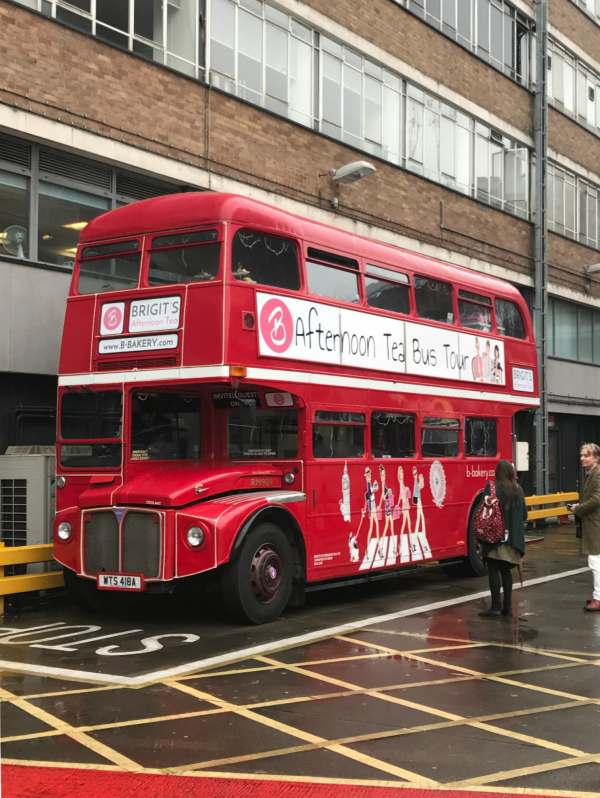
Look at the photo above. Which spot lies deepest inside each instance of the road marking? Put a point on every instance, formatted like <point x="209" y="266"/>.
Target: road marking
<point x="264" y="648"/>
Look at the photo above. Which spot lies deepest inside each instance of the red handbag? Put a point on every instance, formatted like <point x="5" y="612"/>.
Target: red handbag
<point x="488" y="521"/>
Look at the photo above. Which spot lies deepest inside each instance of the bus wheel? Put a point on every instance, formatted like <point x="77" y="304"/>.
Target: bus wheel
<point x="257" y="585"/>
<point x="474" y="563"/>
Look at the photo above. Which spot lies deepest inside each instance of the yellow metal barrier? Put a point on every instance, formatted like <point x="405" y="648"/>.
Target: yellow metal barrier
<point x="23" y="583"/>
<point x="557" y="502"/>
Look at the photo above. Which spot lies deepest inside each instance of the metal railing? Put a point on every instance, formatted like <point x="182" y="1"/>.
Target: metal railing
<point x="24" y="583"/>
<point x="550" y="505"/>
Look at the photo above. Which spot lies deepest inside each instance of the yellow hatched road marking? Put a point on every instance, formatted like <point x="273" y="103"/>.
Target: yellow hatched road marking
<point x="306" y="736"/>
<point x="80" y="737"/>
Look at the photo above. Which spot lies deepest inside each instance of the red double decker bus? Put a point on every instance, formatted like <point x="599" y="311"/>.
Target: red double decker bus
<point x="253" y="396"/>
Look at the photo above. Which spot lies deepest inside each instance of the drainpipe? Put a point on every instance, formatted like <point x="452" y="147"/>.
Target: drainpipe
<point x="540" y="306"/>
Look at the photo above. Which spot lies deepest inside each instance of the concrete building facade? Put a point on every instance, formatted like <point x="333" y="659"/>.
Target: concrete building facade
<point x="106" y="101"/>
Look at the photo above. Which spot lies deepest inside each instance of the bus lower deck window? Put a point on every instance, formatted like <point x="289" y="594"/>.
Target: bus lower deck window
<point x="338" y="434"/>
<point x="439" y="437"/>
<point x="392" y="434"/>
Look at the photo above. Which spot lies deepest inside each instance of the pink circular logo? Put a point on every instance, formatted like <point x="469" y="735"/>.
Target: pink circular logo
<point x="276" y="325"/>
<point x="113" y="318"/>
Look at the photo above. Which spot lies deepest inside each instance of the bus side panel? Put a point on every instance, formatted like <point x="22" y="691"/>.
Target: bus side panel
<point x="77" y="336"/>
<point x="203" y="325"/>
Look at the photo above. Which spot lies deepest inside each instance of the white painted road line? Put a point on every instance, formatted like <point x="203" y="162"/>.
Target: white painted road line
<point x="265" y="648"/>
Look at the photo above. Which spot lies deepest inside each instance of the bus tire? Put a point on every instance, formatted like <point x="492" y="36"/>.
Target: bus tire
<point x="474" y="563"/>
<point x="256" y="586"/>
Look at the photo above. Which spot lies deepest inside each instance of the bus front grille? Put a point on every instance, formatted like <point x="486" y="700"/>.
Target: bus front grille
<point x="141" y="543"/>
<point x="101" y="543"/>
<point x="122" y="541"/>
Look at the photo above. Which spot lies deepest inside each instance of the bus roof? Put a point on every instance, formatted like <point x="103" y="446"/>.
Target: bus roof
<point x="179" y="211"/>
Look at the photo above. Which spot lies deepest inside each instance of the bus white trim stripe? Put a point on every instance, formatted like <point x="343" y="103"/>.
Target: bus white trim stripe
<point x="280" y="375"/>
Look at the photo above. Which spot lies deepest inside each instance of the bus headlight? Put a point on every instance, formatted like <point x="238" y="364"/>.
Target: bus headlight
<point x="195" y="536"/>
<point x="63" y="530"/>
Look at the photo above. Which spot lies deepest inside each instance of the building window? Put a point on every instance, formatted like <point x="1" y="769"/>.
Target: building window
<point x="169" y="32"/>
<point x="66" y="190"/>
<point x="573" y="207"/>
<point x="493" y="29"/>
<point x="272" y="60"/>
<point x="263" y="56"/>
<point x="14" y="215"/>
<point x="574" y="332"/>
<point x="63" y="213"/>
<point x="573" y="86"/>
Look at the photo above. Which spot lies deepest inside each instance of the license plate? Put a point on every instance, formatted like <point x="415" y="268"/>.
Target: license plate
<point x="119" y="582"/>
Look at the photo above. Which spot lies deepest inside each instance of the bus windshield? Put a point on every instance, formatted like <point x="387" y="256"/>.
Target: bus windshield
<point x="165" y="426"/>
<point x="90" y="429"/>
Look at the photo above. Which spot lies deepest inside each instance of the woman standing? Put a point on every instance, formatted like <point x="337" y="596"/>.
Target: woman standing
<point x="502" y="557"/>
<point x="588" y="510"/>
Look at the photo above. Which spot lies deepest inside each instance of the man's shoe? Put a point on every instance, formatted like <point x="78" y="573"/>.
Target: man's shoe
<point x="506" y="610"/>
<point x="493" y="613"/>
<point x="588" y="601"/>
<point x="593" y="606"/>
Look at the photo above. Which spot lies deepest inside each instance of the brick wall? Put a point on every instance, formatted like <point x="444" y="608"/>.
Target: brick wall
<point x="73" y="78"/>
<point x="575" y="25"/>
<point x="400" y="33"/>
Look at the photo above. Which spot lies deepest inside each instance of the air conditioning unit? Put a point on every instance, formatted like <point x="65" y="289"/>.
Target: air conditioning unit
<point x="26" y="495"/>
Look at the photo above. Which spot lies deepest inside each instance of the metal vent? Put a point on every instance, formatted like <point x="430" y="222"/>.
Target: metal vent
<point x="80" y="169"/>
<point x="141" y="543"/>
<point x="141" y="363"/>
<point x="13" y="511"/>
<point x="101" y="542"/>
<point x="139" y="188"/>
<point x="15" y="151"/>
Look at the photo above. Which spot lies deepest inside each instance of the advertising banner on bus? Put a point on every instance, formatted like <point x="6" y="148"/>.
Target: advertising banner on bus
<point x="305" y="330"/>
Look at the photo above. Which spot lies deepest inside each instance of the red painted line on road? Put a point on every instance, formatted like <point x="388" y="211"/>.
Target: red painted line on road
<point x="24" y="781"/>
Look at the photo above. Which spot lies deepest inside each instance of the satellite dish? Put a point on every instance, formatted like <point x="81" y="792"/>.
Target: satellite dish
<point x="13" y="240"/>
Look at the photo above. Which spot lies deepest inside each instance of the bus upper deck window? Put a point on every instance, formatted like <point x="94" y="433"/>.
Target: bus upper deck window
<point x="325" y="279"/>
<point x="475" y="311"/>
<point x="387" y="289"/>
<point x="433" y="299"/>
<point x="184" y="258"/>
<point x="508" y="319"/>
<point x="109" y="267"/>
<point x="265" y="259"/>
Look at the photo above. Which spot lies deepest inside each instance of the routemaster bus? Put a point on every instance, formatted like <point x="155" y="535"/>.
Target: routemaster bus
<point x="255" y="397"/>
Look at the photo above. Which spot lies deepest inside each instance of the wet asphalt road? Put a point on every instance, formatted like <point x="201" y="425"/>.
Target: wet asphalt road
<point x="398" y="682"/>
